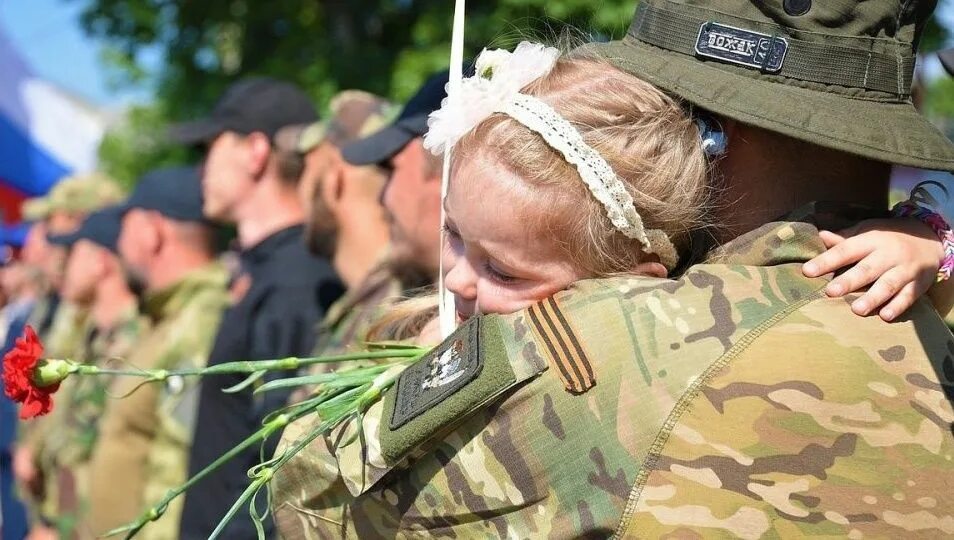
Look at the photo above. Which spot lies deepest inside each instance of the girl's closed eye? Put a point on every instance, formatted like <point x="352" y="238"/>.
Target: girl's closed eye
<point x="498" y="275"/>
<point x="450" y="231"/>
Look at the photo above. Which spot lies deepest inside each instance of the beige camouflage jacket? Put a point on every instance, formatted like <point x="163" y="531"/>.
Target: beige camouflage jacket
<point x="75" y="423"/>
<point x="68" y="337"/>
<point x="735" y="402"/>
<point x="143" y="445"/>
<point x="345" y="326"/>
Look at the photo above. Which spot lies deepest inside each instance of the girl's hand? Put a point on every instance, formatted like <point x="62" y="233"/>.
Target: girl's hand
<point x="899" y="256"/>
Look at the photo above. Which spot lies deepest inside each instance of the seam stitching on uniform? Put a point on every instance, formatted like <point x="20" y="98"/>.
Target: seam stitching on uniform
<point x="689" y="395"/>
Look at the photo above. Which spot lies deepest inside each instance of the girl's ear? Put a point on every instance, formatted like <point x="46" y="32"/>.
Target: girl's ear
<point x="651" y="269"/>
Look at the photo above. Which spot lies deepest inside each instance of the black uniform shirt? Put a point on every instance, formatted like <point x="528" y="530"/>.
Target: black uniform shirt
<point x="289" y="293"/>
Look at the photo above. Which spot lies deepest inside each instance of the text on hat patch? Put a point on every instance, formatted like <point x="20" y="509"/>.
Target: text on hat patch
<point x="741" y="47"/>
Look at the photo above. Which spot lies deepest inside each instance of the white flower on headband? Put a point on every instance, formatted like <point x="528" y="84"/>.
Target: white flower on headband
<point x="500" y="74"/>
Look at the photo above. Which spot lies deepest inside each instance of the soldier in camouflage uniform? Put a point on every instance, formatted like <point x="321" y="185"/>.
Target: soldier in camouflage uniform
<point x="61" y="212"/>
<point x="64" y="325"/>
<point x="737" y="401"/>
<point x="143" y="441"/>
<point x="95" y="279"/>
<point x="346" y="222"/>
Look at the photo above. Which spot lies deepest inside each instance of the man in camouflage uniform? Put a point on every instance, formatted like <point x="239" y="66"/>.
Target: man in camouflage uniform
<point x="346" y="222"/>
<point x="96" y="281"/>
<point x="62" y="211"/>
<point x="63" y="325"/>
<point x="144" y="439"/>
<point x="736" y="401"/>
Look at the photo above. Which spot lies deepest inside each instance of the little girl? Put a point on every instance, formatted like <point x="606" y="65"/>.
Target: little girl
<point x="610" y="177"/>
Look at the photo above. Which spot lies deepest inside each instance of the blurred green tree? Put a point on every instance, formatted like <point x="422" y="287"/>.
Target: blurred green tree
<point x="387" y="47"/>
<point x="137" y="144"/>
<point x="384" y="46"/>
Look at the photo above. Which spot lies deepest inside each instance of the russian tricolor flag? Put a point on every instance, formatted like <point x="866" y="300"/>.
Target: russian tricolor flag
<point x="45" y="133"/>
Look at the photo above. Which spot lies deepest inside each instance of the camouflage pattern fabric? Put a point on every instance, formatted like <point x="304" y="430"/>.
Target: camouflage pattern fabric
<point x="348" y="320"/>
<point x="41" y="317"/>
<point x="735" y="402"/>
<point x="144" y="438"/>
<point x="82" y="193"/>
<point x="75" y="435"/>
<point x="69" y="329"/>
<point x="67" y="338"/>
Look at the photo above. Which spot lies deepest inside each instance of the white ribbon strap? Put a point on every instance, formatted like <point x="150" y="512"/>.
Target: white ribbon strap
<point x="446" y="311"/>
<point x="596" y="173"/>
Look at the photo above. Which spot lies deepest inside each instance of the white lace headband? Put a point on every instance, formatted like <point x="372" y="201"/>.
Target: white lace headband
<point x="496" y="89"/>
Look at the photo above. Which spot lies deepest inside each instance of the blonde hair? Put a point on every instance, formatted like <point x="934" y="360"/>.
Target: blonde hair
<point x="405" y="319"/>
<point x="647" y="137"/>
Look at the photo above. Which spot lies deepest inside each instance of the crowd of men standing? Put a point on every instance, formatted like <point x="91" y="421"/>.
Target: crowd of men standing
<point x="334" y="218"/>
<point x="735" y="400"/>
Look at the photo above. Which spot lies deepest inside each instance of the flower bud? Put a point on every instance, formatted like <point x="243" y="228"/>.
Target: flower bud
<point x="52" y="371"/>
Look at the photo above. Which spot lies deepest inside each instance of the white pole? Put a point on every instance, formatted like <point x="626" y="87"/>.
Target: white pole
<point x="447" y="311"/>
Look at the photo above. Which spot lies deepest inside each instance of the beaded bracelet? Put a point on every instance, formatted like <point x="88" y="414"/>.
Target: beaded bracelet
<point x="940" y="227"/>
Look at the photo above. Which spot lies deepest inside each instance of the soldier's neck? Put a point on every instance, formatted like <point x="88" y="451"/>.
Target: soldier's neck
<point x="269" y="209"/>
<point x="113" y="300"/>
<point x="362" y="239"/>
<point x="763" y="176"/>
<point x="170" y="268"/>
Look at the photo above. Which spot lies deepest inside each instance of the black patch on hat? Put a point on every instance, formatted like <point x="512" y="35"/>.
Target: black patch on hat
<point x="437" y="376"/>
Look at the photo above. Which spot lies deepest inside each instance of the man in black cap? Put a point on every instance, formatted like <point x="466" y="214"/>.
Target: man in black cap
<point x="412" y="195"/>
<point x="167" y="246"/>
<point x="283" y="290"/>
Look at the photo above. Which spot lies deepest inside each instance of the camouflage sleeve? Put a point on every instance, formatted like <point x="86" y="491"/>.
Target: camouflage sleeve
<point x="188" y="344"/>
<point x="827" y="424"/>
<point x="536" y="428"/>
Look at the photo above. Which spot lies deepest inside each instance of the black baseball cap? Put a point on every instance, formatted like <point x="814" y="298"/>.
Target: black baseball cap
<point x="410" y="124"/>
<point x="257" y="104"/>
<point x="174" y="192"/>
<point x="101" y="227"/>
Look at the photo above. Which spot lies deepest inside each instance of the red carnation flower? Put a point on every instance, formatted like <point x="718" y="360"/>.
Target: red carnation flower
<point x="18" y="382"/>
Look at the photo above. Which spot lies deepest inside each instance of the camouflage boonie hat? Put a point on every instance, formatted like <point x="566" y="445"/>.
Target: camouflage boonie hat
<point x="835" y="73"/>
<point x="82" y="193"/>
<point x="355" y="114"/>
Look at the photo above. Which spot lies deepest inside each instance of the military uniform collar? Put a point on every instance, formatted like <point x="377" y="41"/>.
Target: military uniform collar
<point x="127" y="316"/>
<point x="379" y="276"/>
<point x="264" y="250"/>
<point x="792" y="238"/>
<point x="170" y="299"/>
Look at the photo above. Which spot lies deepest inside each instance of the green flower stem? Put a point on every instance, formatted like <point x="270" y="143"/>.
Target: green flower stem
<point x="367" y="395"/>
<point x="336" y="402"/>
<point x="248" y="367"/>
<point x="157" y="510"/>
<point x="265" y="474"/>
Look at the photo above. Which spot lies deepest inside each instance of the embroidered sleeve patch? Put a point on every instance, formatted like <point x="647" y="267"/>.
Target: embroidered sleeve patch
<point x="441" y="373"/>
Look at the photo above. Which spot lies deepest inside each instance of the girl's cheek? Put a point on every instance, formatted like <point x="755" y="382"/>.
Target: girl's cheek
<point x="496" y="298"/>
<point x="449" y="255"/>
